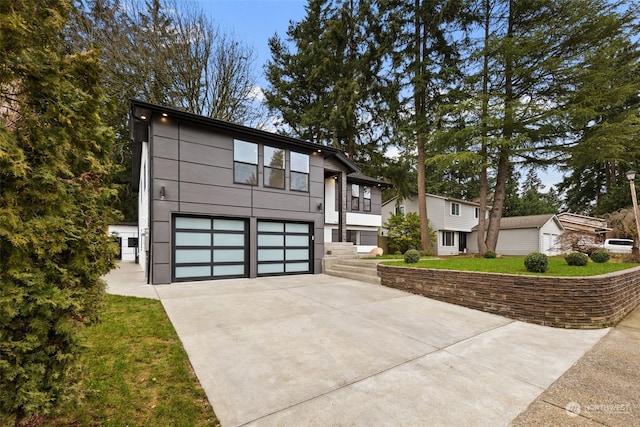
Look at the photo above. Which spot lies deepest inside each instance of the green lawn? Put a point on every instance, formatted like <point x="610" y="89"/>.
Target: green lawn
<point x="137" y="373"/>
<point x="515" y="265"/>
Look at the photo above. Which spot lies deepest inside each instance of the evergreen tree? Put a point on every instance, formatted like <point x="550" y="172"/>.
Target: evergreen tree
<point x="535" y="67"/>
<point x="55" y="198"/>
<point x="324" y="80"/>
<point x="424" y="63"/>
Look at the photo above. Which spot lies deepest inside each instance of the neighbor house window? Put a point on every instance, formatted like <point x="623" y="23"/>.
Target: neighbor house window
<point x="448" y="238"/>
<point x="273" y="167"/>
<point x="476" y="213"/>
<point x="355" y="197"/>
<point x="455" y="209"/>
<point x="299" y="171"/>
<point x="400" y="210"/>
<point x="366" y="199"/>
<point x="245" y="162"/>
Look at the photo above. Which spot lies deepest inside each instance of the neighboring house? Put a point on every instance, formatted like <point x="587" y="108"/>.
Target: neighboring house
<point x="127" y="236"/>
<point x="521" y="235"/>
<point x="220" y="200"/>
<point x="451" y="219"/>
<point x="591" y="230"/>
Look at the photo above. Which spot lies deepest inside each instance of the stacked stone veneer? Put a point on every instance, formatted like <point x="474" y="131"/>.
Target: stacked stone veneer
<point x="564" y="302"/>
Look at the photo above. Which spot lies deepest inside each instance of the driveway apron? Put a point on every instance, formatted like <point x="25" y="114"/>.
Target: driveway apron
<point x="317" y="350"/>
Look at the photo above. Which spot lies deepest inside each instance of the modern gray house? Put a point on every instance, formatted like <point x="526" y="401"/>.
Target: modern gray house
<point x="220" y="200"/>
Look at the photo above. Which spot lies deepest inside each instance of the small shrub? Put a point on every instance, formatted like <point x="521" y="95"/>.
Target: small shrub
<point x="490" y="254"/>
<point x="536" y="262"/>
<point x="600" y="256"/>
<point x="412" y="256"/>
<point x="577" y="258"/>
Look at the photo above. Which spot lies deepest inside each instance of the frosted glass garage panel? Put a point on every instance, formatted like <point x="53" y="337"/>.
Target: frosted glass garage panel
<point x="269" y="240"/>
<point x="297" y="240"/>
<point x="270" y="268"/>
<point x="224" y="239"/>
<point x="298" y="228"/>
<point x="297" y="255"/>
<point x="201" y="271"/>
<point x="228" y="225"/>
<point x="228" y="270"/>
<point x="228" y="255"/>
<point x="270" y="255"/>
<point x="297" y="267"/>
<point x="274" y="227"/>
<point x="192" y="255"/>
<point x="184" y="238"/>
<point x="194" y="223"/>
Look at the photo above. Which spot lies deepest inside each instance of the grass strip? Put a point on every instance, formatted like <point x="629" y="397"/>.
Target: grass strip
<point x="136" y="372"/>
<point x="515" y="265"/>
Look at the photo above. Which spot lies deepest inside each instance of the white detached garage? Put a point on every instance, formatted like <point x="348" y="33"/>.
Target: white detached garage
<point x="521" y="235"/>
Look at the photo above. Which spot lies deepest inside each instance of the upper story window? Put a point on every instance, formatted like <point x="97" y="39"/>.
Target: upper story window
<point x="400" y="210"/>
<point x="455" y="209"/>
<point x="299" y="171"/>
<point x="355" y="197"/>
<point x="366" y="199"/>
<point x="476" y="213"/>
<point x="273" y="167"/>
<point x="245" y="162"/>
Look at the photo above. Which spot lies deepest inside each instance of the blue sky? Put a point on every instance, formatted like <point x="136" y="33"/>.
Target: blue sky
<point x="254" y="22"/>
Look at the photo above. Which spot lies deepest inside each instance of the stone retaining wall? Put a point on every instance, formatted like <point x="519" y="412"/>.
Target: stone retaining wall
<point x="563" y="302"/>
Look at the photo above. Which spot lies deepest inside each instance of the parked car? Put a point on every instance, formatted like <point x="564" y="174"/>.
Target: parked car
<point x="618" y="246"/>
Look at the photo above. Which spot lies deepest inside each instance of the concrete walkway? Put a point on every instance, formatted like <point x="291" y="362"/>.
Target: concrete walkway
<point x="319" y="350"/>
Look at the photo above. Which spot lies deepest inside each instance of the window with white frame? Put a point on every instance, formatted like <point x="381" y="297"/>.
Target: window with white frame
<point x="400" y="210"/>
<point x="299" y="171"/>
<point x="455" y="209"/>
<point x="366" y="199"/>
<point x="448" y="238"/>
<point x="245" y="162"/>
<point x="476" y="213"/>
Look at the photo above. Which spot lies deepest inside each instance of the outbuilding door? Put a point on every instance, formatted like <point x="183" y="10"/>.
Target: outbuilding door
<point x="209" y="248"/>
<point x="284" y="248"/>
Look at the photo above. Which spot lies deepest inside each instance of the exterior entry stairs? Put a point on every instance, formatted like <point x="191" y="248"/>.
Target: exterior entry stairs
<point x="341" y="260"/>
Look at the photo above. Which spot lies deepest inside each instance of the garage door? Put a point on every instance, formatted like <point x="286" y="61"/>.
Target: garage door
<point x="209" y="248"/>
<point x="284" y="248"/>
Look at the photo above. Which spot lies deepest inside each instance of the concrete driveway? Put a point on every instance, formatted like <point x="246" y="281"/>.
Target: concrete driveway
<point x="318" y="350"/>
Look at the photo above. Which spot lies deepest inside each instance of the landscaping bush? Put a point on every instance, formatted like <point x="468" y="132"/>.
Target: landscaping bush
<point x="404" y="232"/>
<point x="490" y="254"/>
<point x="600" y="256"/>
<point x="412" y="256"/>
<point x="536" y="262"/>
<point x="577" y="258"/>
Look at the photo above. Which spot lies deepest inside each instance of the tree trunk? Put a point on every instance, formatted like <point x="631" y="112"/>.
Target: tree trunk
<point x="482" y="221"/>
<point x="507" y="133"/>
<point x="420" y="111"/>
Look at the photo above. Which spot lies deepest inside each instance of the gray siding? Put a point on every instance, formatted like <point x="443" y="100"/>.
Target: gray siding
<point x="195" y="165"/>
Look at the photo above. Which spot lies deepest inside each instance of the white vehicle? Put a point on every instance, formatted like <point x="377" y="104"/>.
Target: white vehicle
<point x="618" y="246"/>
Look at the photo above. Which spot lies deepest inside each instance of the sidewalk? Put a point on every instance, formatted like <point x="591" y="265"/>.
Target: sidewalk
<point x="601" y="389"/>
<point x="128" y="279"/>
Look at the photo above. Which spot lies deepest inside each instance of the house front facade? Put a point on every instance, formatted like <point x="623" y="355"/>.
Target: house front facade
<point x="219" y="200"/>
<point x="451" y="219"/>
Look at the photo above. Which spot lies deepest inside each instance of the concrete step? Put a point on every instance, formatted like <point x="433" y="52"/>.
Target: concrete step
<point x="362" y="277"/>
<point x="356" y="268"/>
